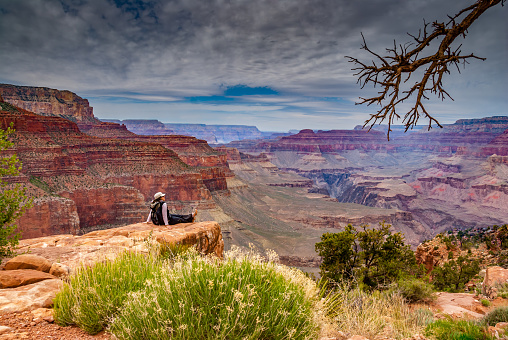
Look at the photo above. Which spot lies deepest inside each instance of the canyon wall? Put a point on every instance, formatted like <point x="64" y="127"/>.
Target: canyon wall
<point x="82" y="182"/>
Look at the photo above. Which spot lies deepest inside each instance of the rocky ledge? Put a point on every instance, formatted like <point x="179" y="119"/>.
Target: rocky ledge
<point x="31" y="281"/>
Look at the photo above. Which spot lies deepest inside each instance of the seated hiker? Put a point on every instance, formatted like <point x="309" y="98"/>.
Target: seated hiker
<point x="160" y="215"/>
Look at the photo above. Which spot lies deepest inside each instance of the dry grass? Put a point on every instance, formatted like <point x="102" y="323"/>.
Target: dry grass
<point x="377" y="314"/>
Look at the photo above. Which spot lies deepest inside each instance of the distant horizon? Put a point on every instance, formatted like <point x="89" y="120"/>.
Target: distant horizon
<point x="376" y="127"/>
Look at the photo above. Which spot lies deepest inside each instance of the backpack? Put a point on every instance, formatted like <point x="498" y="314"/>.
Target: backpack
<point x="156" y="213"/>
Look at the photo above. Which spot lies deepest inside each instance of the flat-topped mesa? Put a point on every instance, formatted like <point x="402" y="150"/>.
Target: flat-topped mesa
<point x="466" y="136"/>
<point x="49" y="102"/>
<point x="144" y="126"/>
<point x="216" y="134"/>
<point x="192" y="151"/>
<point x="83" y="182"/>
<point x="329" y="141"/>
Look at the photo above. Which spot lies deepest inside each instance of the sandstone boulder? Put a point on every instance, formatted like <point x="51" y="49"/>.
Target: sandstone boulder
<point x="22" y="277"/>
<point x="29" y="297"/>
<point x="28" y="261"/>
<point x="494" y="276"/>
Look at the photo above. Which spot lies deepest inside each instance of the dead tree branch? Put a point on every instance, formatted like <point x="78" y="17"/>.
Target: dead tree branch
<point x="391" y="72"/>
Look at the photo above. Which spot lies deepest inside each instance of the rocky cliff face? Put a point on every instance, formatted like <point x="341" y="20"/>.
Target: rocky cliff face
<point x="329" y="141"/>
<point x="49" y="102"/>
<point x="83" y="182"/>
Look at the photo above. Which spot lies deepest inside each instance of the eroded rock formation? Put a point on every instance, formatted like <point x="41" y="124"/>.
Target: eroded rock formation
<point x="82" y="181"/>
<point x="49" y="102"/>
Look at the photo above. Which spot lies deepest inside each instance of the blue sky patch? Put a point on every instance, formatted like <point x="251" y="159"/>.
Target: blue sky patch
<point x="244" y="90"/>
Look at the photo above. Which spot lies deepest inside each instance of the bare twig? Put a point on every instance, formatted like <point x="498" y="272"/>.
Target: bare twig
<point x="403" y="60"/>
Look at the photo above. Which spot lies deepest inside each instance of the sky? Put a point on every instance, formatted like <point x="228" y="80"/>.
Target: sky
<point x="277" y="64"/>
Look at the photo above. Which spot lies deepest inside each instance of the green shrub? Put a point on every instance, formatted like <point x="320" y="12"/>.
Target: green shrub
<point x="504" y="295"/>
<point x="204" y="298"/>
<point x="93" y="294"/>
<point x="415" y="290"/>
<point x="499" y="314"/>
<point x="449" y="329"/>
<point x="485" y="302"/>
<point x="145" y="296"/>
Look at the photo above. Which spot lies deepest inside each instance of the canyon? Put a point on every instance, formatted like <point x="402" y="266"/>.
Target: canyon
<point x="455" y="177"/>
<point x="270" y="191"/>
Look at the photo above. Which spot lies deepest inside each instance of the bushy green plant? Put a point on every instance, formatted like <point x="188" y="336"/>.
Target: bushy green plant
<point x="146" y="296"/>
<point x="94" y="294"/>
<point x="485" y="302"/>
<point x="204" y="298"/>
<point x="13" y="198"/>
<point x="499" y="314"/>
<point x="449" y="329"/>
<point x="414" y="290"/>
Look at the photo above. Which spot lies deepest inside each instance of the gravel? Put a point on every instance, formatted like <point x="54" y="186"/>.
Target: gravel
<point x="24" y="326"/>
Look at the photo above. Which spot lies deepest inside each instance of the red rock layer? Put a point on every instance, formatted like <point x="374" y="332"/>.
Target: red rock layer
<point x="329" y="141"/>
<point x="192" y="151"/>
<point x="498" y="146"/>
<point x="48" y="101"/>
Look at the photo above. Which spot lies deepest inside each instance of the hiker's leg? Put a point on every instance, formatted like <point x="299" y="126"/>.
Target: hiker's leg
<point x="175" y="218"/>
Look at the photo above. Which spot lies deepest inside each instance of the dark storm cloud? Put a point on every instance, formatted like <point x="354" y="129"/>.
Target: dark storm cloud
<point x="187" y="48"/>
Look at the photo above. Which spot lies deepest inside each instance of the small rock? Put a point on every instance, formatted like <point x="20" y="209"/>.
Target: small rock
<point x="59" y="270"/>
<point x="29" y="297"/>
<point x="502" y="325"/>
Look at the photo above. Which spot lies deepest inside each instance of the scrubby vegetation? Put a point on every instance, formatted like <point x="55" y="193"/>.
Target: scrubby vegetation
<point x="380" y="270"/>
<point x="374" y="313"/>
<point x="500" y="314"/>
<point x="149" y="296"/>
<point x="449" y="329"/>
<point x="175" y="293"/>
